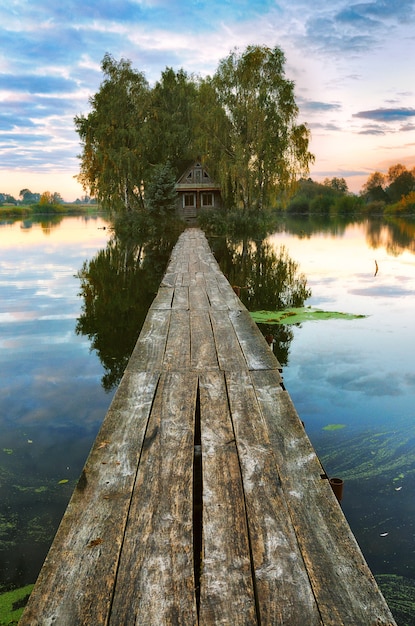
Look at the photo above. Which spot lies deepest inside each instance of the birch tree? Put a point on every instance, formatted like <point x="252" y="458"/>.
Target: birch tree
<point x="113" y="137"/>
<point x="266" y="150"/>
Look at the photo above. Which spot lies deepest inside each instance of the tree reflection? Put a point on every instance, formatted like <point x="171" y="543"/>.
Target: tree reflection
<point x="117" y="286"/>
<point x="396" y="235"/>
<point x="265" y="279"/>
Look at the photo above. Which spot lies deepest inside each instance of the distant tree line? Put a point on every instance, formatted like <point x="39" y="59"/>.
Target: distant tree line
<point x="39" y="200"/>
<point x="329" y="197"/>
<point x="394" y="191"/>
<point x="241" y="122"/>
<point x="391" y="193"/>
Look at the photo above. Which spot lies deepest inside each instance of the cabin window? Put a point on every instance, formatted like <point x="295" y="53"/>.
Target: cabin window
<point x="198" y="176"/>
<point x="189" y="199"/>
<point x="207" y="199"/>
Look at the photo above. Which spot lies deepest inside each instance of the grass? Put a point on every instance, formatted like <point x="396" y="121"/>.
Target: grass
<point x="25" y="211"/>
<point x="12" y="604"/>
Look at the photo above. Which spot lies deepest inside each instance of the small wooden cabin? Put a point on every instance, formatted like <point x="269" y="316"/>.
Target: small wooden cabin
<point x="197" y="191"/>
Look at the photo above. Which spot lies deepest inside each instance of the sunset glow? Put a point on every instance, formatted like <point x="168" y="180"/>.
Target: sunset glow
<point x="352" y="65"/>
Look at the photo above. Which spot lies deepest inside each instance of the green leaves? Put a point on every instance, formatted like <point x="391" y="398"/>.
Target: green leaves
<point x="268" y="149"/>
<point x="241" y="123"/>
<point x="299" y="315"/>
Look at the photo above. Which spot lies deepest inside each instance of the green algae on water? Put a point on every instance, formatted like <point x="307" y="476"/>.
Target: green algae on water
<point x="399" y="593"/>
<point x="334" y="426"/>
<point x="389" y="454"/>
<point x="299" y="315"/>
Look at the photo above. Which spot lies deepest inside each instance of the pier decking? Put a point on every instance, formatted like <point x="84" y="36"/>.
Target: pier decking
<point x="202" y="500"/>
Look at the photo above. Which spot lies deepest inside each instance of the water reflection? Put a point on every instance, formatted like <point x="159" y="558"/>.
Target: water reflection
<point x="117" y="288"/>
<point x="51" y="402"/>
<point x="395" y="234"/>
<point x="357" y="373"/>
<point x="265" y="278"/>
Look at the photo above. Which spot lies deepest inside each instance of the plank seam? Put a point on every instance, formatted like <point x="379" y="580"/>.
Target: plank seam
<point x="144" y="443"/>
<point x="251" y="555"/>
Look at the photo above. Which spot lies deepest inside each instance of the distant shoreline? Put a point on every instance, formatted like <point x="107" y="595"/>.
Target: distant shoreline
<point x="27" y="211"/>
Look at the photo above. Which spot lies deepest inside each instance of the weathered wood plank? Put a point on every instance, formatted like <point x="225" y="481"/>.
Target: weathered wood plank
<point x="283" y="589"/>
<point x="202" y="346"/>
<point x="229" y="295"/>
<point x="228" y="349"/>
<point x="148" y="353"/>
<point x="169" y="279"/>
<point x="257" y="353"/>
<point x="214" y="294"/>
<point x="226" y="590"/>
<point x="76" y="582"/>
<point x="186" y="279"/>
<point x="181" y="298"/>
<point x="342" y="583"/>
<point x="177" y="354"/>
<point x="163" y="298"/>
<point x="155" y="581"/>
<point x="197" y="296"/>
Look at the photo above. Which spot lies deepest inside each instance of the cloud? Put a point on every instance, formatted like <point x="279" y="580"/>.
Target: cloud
<point x="372" y="129"/>
<point x="384" y="291"/>
<point x="356" y="18"/>
<point x="386" y="115"/>
<point x="386" y="9"/>
<point x="328" y="126"/>
<point x="367" y="383"/>
<point x="315" y="105"/>
<point x="339" y="53"/>
<point x="340" y="173"/>
<point x="34" y="83"/>
<point x="327" y="35"/>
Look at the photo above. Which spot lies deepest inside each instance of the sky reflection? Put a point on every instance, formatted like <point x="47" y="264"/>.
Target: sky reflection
<point x="360" y="374"/>
<point x="51" y="402"/>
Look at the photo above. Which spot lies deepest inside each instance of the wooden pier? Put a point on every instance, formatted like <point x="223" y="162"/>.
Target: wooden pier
<point x="202" y="501"/>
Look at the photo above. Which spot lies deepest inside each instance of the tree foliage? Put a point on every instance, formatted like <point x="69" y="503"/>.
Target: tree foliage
<point x="241" y="123"/>
<point x="160" y="198"/>
<point x="339" y="184"/>
<point x="262" y="151"/>
<point x="170" y="120"/>
<point x="27" y="197"/>
<point x="114" y="161"/>
<point x="50" y="199"/>
<point x="330" y="197"/>
<point x="401" y="183"/>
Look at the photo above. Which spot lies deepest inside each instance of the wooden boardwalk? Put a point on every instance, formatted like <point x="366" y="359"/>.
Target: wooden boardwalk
<point x="202" y="500"/>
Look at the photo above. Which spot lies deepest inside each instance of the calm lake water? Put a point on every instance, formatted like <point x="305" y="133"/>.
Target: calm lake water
<point x="352" y="381"/>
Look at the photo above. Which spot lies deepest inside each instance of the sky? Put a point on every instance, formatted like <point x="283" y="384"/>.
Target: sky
<point x="351" y="62"/>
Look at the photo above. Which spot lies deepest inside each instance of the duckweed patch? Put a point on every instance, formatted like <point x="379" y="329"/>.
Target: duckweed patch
<point x="12" y="604"/>
<point x="299" y="315"/>
<point x="40" y="529"/>
<point x="8" y="526"/>
<point x="389" y="454"/>
<point x="334" y="427"/>
<point x="399" y="593"/>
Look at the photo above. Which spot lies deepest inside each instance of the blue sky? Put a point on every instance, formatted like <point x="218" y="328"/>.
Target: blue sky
<point x="352" y="64"/>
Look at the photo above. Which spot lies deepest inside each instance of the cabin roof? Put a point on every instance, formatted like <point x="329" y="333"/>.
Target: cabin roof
<point x="196" y="176"/>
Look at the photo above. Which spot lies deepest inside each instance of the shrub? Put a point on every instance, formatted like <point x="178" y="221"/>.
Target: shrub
<point x="299" y="204"/>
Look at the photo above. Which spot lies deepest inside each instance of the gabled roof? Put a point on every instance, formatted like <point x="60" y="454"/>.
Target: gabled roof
<point x="196" y="177"/>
